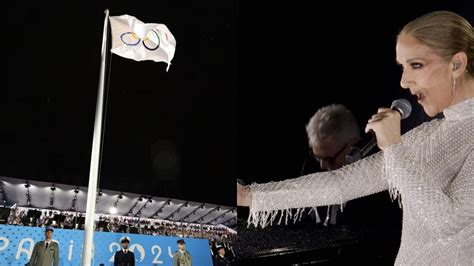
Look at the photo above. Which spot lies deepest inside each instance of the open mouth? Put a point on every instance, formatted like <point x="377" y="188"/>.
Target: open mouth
<point x="420" y="97"/>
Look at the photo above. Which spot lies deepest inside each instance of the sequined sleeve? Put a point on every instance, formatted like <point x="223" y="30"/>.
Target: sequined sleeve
<point x="327" y="188"/>
<point x="444" y="210"/>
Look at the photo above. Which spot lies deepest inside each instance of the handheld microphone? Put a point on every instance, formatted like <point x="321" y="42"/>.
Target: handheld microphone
<point x="403" y="106"/>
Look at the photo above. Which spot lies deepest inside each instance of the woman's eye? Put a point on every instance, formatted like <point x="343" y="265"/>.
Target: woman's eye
<point x="416" y="65"/>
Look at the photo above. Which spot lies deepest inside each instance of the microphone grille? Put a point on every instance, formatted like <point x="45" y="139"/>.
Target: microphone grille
<point x="403" y="106"/>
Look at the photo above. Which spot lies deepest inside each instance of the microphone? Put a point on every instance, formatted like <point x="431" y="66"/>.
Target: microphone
<point x="403" y="106"/>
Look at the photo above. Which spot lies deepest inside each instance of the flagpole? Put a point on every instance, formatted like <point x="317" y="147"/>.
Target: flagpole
<point x="87" y="250"/>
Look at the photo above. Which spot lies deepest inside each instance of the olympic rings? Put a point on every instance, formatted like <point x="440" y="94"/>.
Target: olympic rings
<point x="151" y="42"/>
<point x="133" y="35"/>
<point x="155" y="40"/>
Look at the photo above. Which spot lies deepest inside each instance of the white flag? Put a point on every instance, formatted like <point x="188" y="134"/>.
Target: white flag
<point x="136" y="40"/>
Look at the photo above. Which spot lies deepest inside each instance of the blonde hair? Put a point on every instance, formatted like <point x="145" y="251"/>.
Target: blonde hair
<point x="445" y="32"/>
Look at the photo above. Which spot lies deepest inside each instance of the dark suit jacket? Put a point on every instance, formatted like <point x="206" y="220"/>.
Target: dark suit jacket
<point x="122" y="259"/>
<point x="219" y="261"/>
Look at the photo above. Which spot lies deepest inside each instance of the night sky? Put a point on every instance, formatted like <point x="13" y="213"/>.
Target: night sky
<point x="244" y="82"/>
<point x="166" y="134"/>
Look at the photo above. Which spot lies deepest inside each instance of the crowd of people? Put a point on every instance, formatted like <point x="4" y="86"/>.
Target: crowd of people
<point x="119" y="224"/>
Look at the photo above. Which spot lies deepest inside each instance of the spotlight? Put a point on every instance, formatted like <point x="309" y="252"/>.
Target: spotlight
<point x="76" y="190"/>
<point x="120" y="196"/>
<point x="113" y="210"/>
<point x="169" y="202"/>
<point x="100" y="192"/>
<point x="53" y="187"/>
<point x="150" y="200"/>
<point x="140" y="199"/>
<point x="27" y="185"/>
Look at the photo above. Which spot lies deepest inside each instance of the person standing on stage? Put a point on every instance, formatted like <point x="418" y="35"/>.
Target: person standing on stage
<point x="220" y="259"/>
<point x="124" y="257"/>
<point x="182" y="257"/>
<point x="46" y="252"/>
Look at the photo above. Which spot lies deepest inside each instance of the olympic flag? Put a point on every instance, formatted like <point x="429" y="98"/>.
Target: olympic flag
<point x="140" y="41"/>
<point x="131" y="39"/>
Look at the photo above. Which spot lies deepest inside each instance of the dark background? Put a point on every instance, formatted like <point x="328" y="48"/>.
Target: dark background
<point x="245" y="80"/>
<point x="167" y="134"/>
<point x="296" y="58"/>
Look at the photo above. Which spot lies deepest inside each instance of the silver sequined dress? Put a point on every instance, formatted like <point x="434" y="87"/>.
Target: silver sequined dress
<point x="431" y="172"/>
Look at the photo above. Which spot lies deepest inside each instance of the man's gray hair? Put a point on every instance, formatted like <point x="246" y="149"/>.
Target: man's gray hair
<point x="334" y="121"/>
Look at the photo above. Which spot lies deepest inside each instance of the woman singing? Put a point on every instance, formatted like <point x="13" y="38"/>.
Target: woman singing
<point x="430" y="169"/>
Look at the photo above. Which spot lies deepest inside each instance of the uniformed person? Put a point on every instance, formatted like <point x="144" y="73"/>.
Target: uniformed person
<point x="124" y="257"/>
<point x="182" y="256"/>
<point x="45" y="253"/>
<point x="220" y="259"/>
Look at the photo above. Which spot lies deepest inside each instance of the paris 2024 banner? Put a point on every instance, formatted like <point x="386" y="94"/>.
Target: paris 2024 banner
<point x="17" y="242"/>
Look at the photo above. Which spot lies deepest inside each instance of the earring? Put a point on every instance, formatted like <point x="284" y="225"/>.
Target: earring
<point x="456" y="66"/>
<point x="454" y="87"/>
